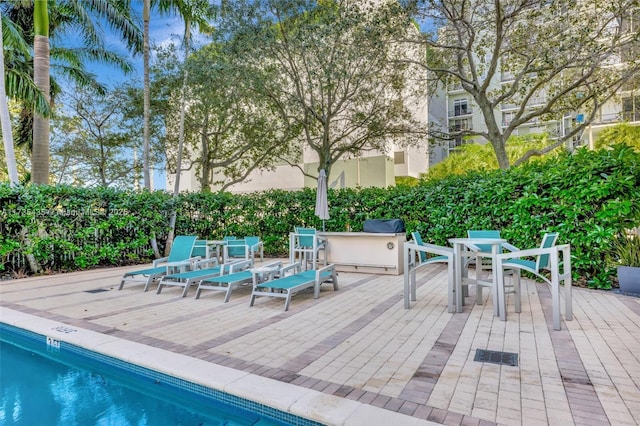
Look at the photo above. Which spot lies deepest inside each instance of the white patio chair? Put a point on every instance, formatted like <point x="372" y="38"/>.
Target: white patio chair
<point x="426" y="254"/>
<point x="546" y="258"/>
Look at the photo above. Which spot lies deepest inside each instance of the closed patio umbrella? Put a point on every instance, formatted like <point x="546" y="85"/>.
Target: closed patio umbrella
<point x="322" y="205"/>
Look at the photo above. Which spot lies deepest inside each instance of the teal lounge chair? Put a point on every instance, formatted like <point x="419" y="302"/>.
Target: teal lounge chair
<point x="179" y="258"/>
<point x="237" y="276"/>
<point x="202" y="270"/>
<point x="288" y="285"/>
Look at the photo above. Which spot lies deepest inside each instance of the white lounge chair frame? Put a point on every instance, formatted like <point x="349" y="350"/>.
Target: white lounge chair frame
<point x="288" y="285"/>
<point x="237" y="276"/>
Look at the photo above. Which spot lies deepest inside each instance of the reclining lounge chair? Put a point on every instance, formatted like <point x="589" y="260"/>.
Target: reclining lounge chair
<point x="179" y="258"/>
<point x="203" y="269"/>
<point x="237" y="276"/>
<point x="287" y="285"/>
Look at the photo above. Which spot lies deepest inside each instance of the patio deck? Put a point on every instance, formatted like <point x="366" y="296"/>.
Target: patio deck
<point x="360" y="344"/>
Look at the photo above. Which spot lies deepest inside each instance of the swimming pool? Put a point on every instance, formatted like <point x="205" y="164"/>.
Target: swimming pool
<point x="47" y="381"/>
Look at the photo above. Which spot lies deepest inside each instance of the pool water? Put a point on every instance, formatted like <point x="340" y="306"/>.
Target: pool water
<point x="53" y="387"/>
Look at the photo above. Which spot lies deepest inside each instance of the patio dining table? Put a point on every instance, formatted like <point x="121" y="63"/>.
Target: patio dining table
<point x="463" y="249"/>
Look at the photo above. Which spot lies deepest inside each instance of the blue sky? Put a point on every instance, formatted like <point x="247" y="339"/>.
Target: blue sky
<point x="162" y="30"/>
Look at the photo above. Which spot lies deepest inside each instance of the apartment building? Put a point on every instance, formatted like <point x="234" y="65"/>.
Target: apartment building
<point x="459" y="118"/>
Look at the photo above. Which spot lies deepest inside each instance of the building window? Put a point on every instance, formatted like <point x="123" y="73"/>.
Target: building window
<point x="631" y="108"/>
<point x="507" y="118"/>
<point x="456" y="142"/>
<point x="461" y="107"/>
<point x="398" y="157"/>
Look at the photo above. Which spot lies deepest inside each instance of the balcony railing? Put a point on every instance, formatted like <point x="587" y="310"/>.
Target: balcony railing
<point x="631" y="115"/>
<point x="613" y="117"/>
<point x="462" y="128"/>
<point x="459" y="112"/>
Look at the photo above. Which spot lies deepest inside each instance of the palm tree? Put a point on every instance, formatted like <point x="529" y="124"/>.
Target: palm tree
<point x="70" y="62"/>
<point x="40" y="150"/>
<point x="193" y="12"/>
<point x="5" y="120"/>
<point x="146" y="94"/>
<point x="17" y="85"/>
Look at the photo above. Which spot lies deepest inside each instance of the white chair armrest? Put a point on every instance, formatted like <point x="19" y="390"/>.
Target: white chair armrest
<point x="323" y="269"/>
<point x="472" y="247"/>
<point x="189" y="261"/>
<point x="241" y="265"/>
<point x="295" y="267"/>
<point x="158" y="261"/>
<point x="211" y="262"/>
<point x="431" y="249"/>
<point x="510" y="247"/>
<point x="527" y="253"/>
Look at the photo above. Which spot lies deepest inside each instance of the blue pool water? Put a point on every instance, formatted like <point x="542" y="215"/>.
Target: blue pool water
<point x="61" y="384"/>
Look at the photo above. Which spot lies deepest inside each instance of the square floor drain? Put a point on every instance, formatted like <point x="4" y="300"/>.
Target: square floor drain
<point x="494" y="357"/>
<point x="97" y="290"/>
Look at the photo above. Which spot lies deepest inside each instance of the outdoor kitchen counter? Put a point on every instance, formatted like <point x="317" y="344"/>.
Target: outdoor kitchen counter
<point x="368" y="252"/>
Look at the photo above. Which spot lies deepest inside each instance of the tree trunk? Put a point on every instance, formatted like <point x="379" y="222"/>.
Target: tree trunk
<point x="146" y="13"/>
<point x="183" y="107"/>
<point x="5" y="121"/>
<point x="40" y="150"/>
<point x="205" y="176"/>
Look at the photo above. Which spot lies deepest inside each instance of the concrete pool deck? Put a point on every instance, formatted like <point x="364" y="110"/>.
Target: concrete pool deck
<point x="356" y="356"/>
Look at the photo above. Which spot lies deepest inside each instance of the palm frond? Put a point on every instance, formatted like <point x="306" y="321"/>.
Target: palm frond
<point x="81" y="76"/>
<point x="80" y="55"/>
<point x="20" y="86"/>
<point x="13" y="39"/>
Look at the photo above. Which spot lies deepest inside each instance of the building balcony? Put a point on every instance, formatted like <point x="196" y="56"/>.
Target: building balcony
<point x="460" y="112"/>
<point x="460" y="128"/>
<point x="615" y="117"/>
<point x="454" y="88"/>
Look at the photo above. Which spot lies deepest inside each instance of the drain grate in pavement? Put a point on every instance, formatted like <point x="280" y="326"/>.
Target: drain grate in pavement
<point x="495" y="357"/>
<point x="97" y="290"/>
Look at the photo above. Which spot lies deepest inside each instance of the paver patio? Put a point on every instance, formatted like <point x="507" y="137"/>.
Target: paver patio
<point x="359" y="343"/>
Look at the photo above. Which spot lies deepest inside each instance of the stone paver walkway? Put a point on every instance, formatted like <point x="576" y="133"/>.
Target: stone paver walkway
<point x="360" y="343"/>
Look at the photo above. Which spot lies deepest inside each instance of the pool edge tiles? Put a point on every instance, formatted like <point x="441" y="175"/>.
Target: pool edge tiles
<point x="283" y="401"/>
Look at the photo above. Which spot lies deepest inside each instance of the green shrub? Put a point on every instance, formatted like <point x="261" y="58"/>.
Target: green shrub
<point x="589" y="197"/>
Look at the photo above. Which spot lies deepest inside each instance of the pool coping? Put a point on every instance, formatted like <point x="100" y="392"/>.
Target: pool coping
<point x="296" y="400"/>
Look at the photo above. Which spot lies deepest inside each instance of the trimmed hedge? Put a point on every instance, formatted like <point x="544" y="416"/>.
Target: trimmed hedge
<point x="588" y="197"/>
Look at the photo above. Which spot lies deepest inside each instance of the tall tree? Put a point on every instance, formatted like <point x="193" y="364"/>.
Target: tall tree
<point x="5" y="119"/>
<point x="67" y="60"/>
<point x="40" y="149"/>
<point x="92" y="139"/>
<point x="146" y="174"/>
<point x="329" y="69"/>
<point x="193" y="12"/>
<point x="228" y="130"/>
<point x="545" y="60"/>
